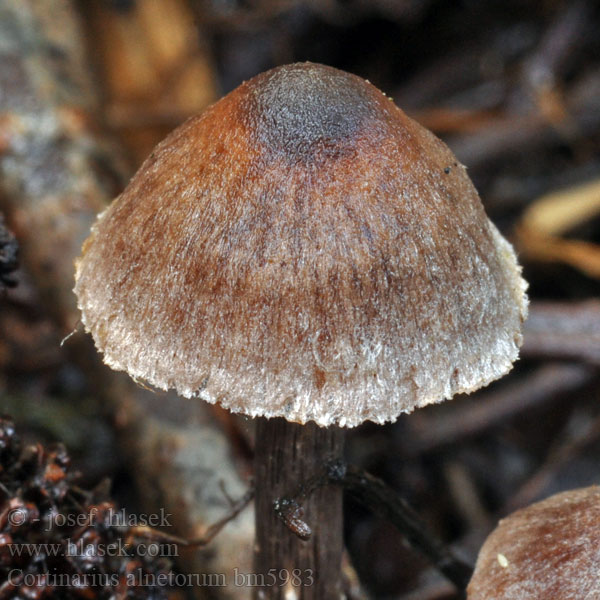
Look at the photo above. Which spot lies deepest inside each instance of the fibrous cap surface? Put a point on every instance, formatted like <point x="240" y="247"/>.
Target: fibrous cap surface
<point x="303" y="249"/>
<point x="549" y="550"/>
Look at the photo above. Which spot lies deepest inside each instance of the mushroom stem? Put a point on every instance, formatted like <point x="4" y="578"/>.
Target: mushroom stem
<point x="286" y="454"/>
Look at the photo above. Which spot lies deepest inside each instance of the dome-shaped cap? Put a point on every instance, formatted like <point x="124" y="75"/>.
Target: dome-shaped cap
<point x="547" y="551"/>
<point x="303" y="249"/>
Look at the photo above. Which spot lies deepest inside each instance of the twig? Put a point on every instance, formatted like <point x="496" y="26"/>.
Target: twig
<point x="558" y="457"/>
<point x="431" y="429"/>
<point x="557" y="45"/>
<point x="383" y="501"/>
<point x="209" y="535"/>
<point x="563" y="330"/>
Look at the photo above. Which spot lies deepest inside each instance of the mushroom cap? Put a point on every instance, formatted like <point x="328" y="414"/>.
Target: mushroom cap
<point x="549" y="550"/>
<point x="303" y="249"/>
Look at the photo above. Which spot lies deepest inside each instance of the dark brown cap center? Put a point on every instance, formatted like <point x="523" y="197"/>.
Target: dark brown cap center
<point x="302" y="110"/>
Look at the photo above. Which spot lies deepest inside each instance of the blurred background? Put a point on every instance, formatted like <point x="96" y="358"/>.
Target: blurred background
<point x="88" y="87"/>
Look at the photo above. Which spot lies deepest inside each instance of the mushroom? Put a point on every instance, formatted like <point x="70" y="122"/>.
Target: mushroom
<point x="304" y="253"/>
<point x="547" y="550"/>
